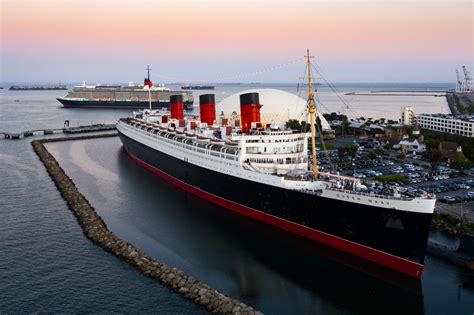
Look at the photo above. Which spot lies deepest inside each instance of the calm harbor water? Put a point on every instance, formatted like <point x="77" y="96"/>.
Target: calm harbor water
<point x="48" y="265"/>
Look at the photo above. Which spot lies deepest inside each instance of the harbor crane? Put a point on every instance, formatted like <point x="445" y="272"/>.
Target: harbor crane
<point x="459" y="82"/>
<point x="467" y="80"/>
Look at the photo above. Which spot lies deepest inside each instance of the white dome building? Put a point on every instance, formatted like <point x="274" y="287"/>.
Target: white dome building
<point x="277" y="106"/>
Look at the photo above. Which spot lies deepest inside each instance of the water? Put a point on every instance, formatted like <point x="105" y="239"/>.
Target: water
<point x="25" y="110"/>
<point x="48" y="265"/>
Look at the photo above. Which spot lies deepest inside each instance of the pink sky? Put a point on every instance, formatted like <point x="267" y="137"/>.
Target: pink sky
<point x="353" y="41"/>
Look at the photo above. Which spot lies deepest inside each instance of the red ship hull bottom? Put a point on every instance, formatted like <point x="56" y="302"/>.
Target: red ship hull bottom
<point x="404" y="266"/>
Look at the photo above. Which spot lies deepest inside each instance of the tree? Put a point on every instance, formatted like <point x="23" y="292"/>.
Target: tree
<point x="379" y="151"/>
<point x="461" y="164"/>
<point x="352" y="150"/>
<point x="305" y="127"/>
<point x="293" y="124"/>
<point x="401" y="157"/>
<point x="371" y="155"/>
<point x="341" y="153"/>
<point x="434" y="157"/>
<point x="335" y="116"/>
<point x="432" y="143"/>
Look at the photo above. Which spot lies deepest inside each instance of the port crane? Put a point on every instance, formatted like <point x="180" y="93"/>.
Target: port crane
<point x="459" y="82"/>
<point x="467" y="80"/>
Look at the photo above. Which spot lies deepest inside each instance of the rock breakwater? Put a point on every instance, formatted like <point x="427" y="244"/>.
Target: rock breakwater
<point x="96" y="230"/>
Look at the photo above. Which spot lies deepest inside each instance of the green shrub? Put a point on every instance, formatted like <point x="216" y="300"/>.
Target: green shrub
<point x="449" y="219"/>
<point x="391" y="178"/>
<point x="461" y="164"/>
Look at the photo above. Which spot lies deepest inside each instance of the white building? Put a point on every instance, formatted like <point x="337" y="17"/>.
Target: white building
<point x="462" y="125"/>
<point x="410" y="146"/>
<point x="408" y="116"/>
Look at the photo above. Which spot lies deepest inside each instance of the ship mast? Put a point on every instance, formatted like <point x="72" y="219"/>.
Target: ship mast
<point x="311" y="109"/>
<point x="149" y="87"/>
<point x="148" y="72"/>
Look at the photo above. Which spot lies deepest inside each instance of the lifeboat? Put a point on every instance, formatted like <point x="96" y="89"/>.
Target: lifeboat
<point x="203" y="138"/>
<point x="217" y="141"/>
<point x="230" y="142"/>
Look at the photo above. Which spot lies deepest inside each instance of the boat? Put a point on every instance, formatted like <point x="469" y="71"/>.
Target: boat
<point x="118" y="96"/>
<point x="197" y="87"/>
<point x="265" y="173"/>
<point x="37" y="87"/>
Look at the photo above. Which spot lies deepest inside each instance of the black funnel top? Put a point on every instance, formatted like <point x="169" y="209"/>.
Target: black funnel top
<point x="249" y="98"/>
<point x="178" y="98"/>
<point x="207" y="99"/>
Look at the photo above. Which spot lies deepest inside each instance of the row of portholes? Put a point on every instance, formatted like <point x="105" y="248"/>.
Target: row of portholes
<point x="353" y="198"/>
<point x="348" y="197"/>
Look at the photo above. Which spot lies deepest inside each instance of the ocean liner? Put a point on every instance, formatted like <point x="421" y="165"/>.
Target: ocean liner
<point x="131" y="96"/>
<point x="264" y="172"/>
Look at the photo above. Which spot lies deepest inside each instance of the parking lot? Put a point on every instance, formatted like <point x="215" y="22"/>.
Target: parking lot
<point x="454" y="190"/>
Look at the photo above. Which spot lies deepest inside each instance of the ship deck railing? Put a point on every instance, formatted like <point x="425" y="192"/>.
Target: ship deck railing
<point x="195" y="146"/>
<point x="331" y="186"/>
<point x="382" y="196"/>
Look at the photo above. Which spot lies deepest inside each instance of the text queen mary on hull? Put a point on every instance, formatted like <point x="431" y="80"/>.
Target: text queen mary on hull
<point x="262" y="171"/>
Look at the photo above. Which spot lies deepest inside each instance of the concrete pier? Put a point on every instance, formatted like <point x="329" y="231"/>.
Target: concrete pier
<point x="68" y="130"/>
<point x="96" y="230"/>
<point x="461" y="255"/>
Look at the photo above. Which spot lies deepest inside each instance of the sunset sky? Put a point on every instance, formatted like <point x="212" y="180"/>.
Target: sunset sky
<point x="189" y="41"/>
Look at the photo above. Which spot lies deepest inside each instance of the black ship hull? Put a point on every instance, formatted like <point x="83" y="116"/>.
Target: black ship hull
<point x="198" y="87"/>
<point x="391" y="238"/>
<point x="118" y="104"/>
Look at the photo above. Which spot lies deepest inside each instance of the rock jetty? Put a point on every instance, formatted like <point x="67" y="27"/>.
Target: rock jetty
<point x="96" y="230"/>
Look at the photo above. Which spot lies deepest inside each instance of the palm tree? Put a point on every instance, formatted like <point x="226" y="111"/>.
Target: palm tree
<point x="434" y="157"/>
<point x="402" y="156"/>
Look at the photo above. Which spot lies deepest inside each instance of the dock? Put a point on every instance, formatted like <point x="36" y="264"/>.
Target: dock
<point x="67" y="130"/>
